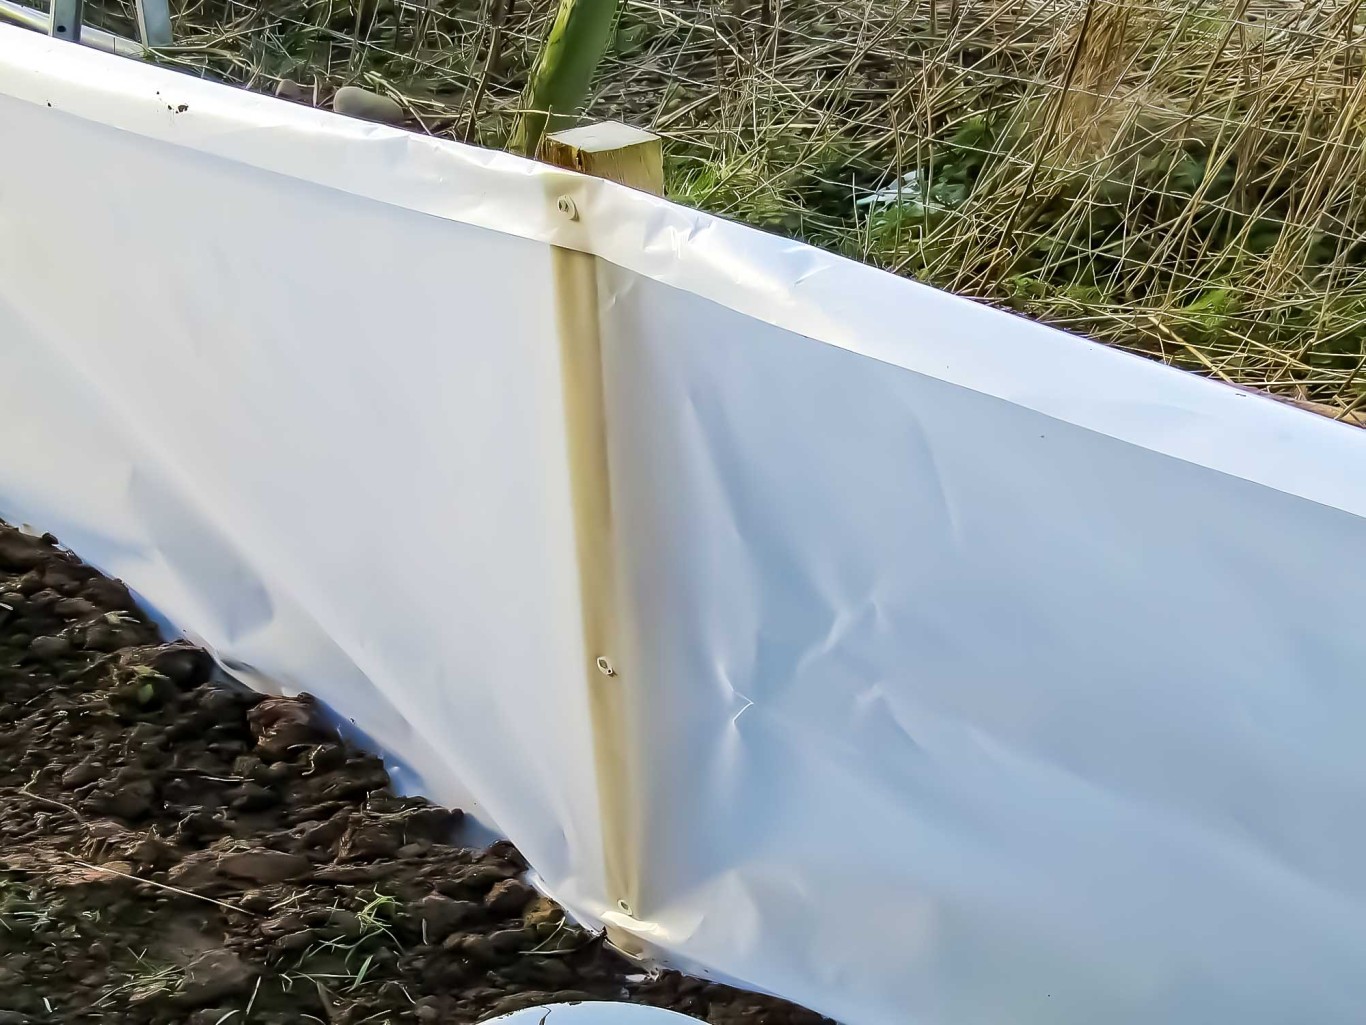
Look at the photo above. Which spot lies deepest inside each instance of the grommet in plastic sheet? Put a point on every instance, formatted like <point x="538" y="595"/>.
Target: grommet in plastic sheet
<point x="605" y="667"/>
<point x="623" y="907"/>
<point x="566" y="206"/>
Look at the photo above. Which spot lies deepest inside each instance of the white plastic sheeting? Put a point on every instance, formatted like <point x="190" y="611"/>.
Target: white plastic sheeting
<point x="978" y="674"/>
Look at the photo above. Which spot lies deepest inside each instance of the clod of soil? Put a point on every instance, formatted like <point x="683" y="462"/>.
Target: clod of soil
<point x="175" y="850"/>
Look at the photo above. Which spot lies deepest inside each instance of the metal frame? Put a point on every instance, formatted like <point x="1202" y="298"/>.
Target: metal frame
<point x="66" y="21"/>
<point x="154" y="22"/>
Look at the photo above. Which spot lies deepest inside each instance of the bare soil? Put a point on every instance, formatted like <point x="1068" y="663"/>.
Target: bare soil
<point x="173" y="849"/>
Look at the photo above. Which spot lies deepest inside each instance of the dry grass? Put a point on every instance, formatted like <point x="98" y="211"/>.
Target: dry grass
<point x="1176" y="177"/>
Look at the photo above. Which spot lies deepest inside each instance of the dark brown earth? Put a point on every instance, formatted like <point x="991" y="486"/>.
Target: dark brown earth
<point x="174" y="850"/>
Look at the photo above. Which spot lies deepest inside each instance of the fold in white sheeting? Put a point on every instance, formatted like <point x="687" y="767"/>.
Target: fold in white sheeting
<point x="985" y="675"/>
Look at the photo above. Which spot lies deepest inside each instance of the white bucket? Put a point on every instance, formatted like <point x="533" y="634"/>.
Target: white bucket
<point x="606" y="1012"/>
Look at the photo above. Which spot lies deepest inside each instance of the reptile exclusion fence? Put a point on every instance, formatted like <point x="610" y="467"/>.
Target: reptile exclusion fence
<point x="961" y="670"/>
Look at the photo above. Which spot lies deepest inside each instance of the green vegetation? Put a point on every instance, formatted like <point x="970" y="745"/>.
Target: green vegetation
<point x="559" y="85"/>
<point x="1175" y="177"/>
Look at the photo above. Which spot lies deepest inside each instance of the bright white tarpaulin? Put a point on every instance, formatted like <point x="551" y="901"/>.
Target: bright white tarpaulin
<point x="981" y="675"/>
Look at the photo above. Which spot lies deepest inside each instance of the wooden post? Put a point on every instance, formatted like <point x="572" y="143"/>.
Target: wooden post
<point x="633" y="158"/>
<point x="611" y="150"/>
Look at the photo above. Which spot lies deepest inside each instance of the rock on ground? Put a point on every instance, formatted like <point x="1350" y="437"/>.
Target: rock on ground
<point x="354" y="101"/>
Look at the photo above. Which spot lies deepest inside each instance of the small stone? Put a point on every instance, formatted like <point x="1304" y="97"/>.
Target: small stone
<point x="224" y="705"/>
<point x="346" y="786"/>
<point x="354" y="101"/>
<point x="149" y="852"/>
<point x="282" y="925"/>
<point x="429" y="822"/>
<point x="369" y="841"/>
<point x="295" y="92"/>
<point x="441" y="916"/>
<point x="146" y="734"/>
<point x="49" y="647"/>
<point x="513" y="939"/>
<point x="74" y="608"/>
<point x="251" y="797"/>
<point x="130" y="800"/>
<point x="214" y="975"/>
<point x="478" y="948"/>
<point x="193" y="871"/>
<point x="201" y="824"/>
<point x="294" y="941"/>
<point x="114" y="869"/>
<point x="282" y="725"/>
<point x="483" y="877"/>
<point x="543" y="914"/>
<point x="352" y="874"/>
<point x="508" y="853"/>
<point x="44" y="599"/>
<point x="325" y="835"/>
<point x="81" y="773"/>
<point x="227" y="748"/>
<point x="184" y="665"/>
<point x="103" y="637"/>
<point x="18" y="552"/>
<point x="326" y="757"/>
<point x="508" y="897"/>
<point x="264" y="866"/>
<point x="257" y="902"/>
<point x="446" y="973"/>
<point x="552" y="971"/>
<point x="109" y="594"/>
<point x="343" y="924"/>
<point x="65" y="577"/>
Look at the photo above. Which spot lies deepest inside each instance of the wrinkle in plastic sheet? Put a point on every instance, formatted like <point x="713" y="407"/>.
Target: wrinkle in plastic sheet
<point x="968" y="697"/>
<point x="1020" y="742"/>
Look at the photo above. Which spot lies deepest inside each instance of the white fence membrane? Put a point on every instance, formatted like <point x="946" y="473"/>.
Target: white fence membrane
<point x="973" y="673"/>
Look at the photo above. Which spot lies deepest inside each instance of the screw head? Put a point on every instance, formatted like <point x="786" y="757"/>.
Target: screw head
<point x="566" y="206"/>
<point x="623" y="907"/>
<point x="605" y="667"/>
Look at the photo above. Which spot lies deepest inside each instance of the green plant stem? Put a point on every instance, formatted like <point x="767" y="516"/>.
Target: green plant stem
<point x="564" y="70"/>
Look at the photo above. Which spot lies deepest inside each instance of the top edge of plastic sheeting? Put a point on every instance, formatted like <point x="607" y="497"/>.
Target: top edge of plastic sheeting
<point x="788" y="284"/>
